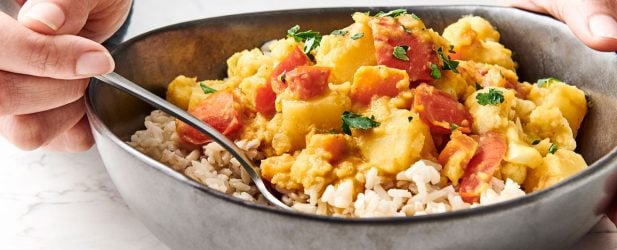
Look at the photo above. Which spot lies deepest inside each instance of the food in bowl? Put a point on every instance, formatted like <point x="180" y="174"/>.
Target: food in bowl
<point x="384" y="117"/>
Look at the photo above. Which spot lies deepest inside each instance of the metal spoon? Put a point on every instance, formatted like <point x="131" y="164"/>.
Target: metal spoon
<point x="127" y="86"/>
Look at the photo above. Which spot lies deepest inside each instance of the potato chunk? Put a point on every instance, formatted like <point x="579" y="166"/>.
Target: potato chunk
<point x="397" y="142"/>
<point x="345" y="55"/>
<point x="301" y="116"/>
<point x="180" y="89"/>
<point x="554" y="168"/>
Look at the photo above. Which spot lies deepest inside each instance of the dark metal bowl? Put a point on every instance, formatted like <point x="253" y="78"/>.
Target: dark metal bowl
<point x="187" y="215"/>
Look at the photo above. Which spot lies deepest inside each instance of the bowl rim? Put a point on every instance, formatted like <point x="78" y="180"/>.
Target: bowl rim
<point x="599" y="167"/>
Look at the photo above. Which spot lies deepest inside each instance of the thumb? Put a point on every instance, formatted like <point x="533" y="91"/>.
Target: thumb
<point x="593" y="22"/>
<point x="54" y="17"/>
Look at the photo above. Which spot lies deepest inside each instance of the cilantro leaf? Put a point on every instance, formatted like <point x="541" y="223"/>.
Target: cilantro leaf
<point x="553" y="148"/>
<point x="546" y="82"/>
<point x="357" y="36"/>
<point x="407" y="30"/>
<point x="311" y="39"/>
<point x="451" y="50"/>
<point x="400" y="52"/>
<point x="353" y="120"/>
<point x="282" y="77"/>
<point x="478" y="86"/>
<point x="392" y="13"/>
<point x="448" y="63"/>
<point x="340" y="32"/>
<point x="493" y="97"/>
<point x="206" y="89"/>
<point x="435" y="72"/>
<point x="453" y="127"/>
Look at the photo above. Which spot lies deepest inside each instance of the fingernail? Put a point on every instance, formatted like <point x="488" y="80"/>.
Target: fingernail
<point x="603" y="25"/>
<point x="94" y="63"/>
<point x="48" y="14"/>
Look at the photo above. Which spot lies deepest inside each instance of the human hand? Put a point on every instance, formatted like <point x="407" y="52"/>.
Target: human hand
<point x="593" y="21"/>
<point x="48" y="53"/>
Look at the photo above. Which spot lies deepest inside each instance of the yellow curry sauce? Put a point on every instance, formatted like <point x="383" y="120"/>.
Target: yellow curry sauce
<point x="384" y="93"/>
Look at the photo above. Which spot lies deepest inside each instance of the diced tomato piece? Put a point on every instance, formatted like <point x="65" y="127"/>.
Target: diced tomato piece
<point x="264" y="100"/>
<point x="220" y="110"/>
<point x="306" y="82"/>
<point x="334" y="144"/>
<point x="456" y="155"/>
<point x="294" y="59"/>
<point x="476" y="179"/>
<point x="440" y="110"/>
<point x="370" y="81"/>
<point x="388" y="34"/>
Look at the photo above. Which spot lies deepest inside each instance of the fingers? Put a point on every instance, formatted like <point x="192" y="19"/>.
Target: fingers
<point x="65" y="56"/>
<point x="77" y="139"/>
<point x="31" y="131"/>
<point x="592" y="21"/>
<point x="56" y="16"/>
<point x="94" y="19"/>
<point x="22" y="94"/>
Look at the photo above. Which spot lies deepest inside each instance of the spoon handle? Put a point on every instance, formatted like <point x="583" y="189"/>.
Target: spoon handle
<point x="126" y="85"/>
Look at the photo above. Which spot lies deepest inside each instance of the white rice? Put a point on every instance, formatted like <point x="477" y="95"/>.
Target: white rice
<point x="416" y="191"/>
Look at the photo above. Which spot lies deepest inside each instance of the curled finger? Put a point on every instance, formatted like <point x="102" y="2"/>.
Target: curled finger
<point x="31" y="131"/>
<point x="76" y="139"/>
<point x="23" y="94"/>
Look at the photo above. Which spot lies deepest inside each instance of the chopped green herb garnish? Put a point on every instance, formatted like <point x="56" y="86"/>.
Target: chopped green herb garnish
<point x="448" y="64"/>
<point x="435" y="72"/>
<point x="493" y="97"/>
<point x="451" y="50"/>
<point x="311" y="39"/>
<point x="546" y="82"/>
<point x="352" y="120"/>
<point x="407" y="30"/>
<point x="535" y="142"/>
<point x="357" y="36"/>
<point x="400" y="52"/>
<point x="392" y="13"/>
<point x="282" y="76"/>
<point x="415" y="17"/>
<point x="553" y="148"/>
<point x="206" y="89"/>
<point x="410" y="118"/>
<point x="453" y="127"/>
<point x="339" y="32"/>
<point x="478" y="86"/>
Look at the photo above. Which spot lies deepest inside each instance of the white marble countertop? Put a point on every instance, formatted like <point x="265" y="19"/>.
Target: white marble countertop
<point x="67" y="201"/>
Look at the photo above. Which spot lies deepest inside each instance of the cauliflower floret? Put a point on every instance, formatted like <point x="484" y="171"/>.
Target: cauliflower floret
<point x="491" y="116"/>
<point x="568" y="99"/>
<point x="475" y="39"/>
<point x="248" y="63"/>
<point x="548" y="122"/>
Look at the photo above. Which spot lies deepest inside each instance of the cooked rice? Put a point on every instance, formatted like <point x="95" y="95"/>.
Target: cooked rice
<point x="417" y="190"/>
